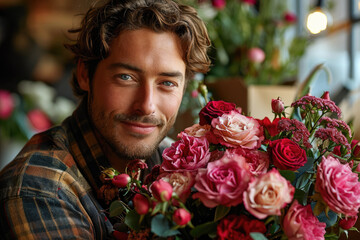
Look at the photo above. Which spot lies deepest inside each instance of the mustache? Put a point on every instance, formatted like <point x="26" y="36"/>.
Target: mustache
<point x="140" y="119"/>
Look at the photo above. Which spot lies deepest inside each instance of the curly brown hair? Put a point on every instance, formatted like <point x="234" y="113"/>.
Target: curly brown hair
<point x="101" y="24"/>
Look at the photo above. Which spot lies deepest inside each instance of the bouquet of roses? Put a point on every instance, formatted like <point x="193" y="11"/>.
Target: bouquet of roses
<point x="235" y="177"/>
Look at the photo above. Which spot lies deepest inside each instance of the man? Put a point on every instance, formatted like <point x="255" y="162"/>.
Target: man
<point x="133" y="61"/>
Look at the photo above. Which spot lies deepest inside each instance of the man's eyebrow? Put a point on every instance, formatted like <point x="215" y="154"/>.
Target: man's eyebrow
<point x="175" y="74"/>
<point x="126" y="66"/>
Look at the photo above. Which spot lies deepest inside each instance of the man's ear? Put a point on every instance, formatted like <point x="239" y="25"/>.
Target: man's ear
<point x="82" y="76"/>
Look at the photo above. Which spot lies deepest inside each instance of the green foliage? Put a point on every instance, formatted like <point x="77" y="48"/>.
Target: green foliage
<point x="161" y="227"/>
<point x="240" y="26"/>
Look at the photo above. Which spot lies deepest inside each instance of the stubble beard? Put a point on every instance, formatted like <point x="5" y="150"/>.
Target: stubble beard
<point x="105" y="126"/>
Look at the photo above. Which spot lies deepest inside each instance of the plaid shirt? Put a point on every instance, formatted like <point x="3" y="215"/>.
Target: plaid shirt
<point x="48" y="191"/>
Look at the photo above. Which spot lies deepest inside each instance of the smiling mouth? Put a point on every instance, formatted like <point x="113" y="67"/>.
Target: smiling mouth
<point x="139" y="128"/>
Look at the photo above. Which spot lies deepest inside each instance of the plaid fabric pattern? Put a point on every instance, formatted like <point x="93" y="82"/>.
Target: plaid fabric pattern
<point x="48" y="191"/>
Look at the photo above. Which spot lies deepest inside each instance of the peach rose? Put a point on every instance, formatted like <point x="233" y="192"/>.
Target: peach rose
<point x="235" y="129"/>
<point x="268" y="194"/>
<point x="222" y="182"/>
<point x="300" y="223"/>
<point x="182" y="182"/>
<point x="196" y="130"/>
<point x="338" y="186"/>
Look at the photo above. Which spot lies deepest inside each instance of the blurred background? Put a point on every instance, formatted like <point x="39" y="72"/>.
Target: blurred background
<point x="257" y="44"/>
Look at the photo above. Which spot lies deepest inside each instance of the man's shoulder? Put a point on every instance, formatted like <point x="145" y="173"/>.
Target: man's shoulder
<point x="39" y="165"/>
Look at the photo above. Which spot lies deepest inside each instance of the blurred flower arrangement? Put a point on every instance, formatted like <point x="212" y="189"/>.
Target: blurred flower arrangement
<point x="35" y="108"/>
<point x="251" y="39"/>
<point x="231" y="176"/>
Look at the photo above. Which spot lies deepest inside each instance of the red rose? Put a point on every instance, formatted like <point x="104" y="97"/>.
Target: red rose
<point x="355" y="146"/>
<point x="214" y="109"/>
<point x="271" y="127"/>
<point x="239" y="227"/>
<point x="286" y="154"/>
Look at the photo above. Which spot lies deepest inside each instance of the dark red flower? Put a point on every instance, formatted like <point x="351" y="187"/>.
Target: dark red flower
<point x="286" y="154"/>
<point x="348" y="222"/>
<point x="214" y="109"/>
<point x="239" y="227"/>
<point x="219" y="4"/>
<point x="290" y="17"/>
<point x="271" y="127"/>
<point x="355" y="146"/>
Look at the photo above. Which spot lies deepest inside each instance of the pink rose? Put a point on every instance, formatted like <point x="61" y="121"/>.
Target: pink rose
<point x="121" y="180"/>
<point x="222" y="182"/>
<point x="237" y="130"/>
<point x="258" y="161"/>
<point x="338" y="186"/>
<point x="196" y="130"/>
<point x="182" y="182"/>
<point x="7" y="104"/>
<point x="181" y="216"/>
<point x="38" y="120"/>
<point x="300" y="223"/>
<point x="286" y="154"/>
<point x="268" y="194"/>
<point x="161" y="190"/>
<point x="214" y="109"/>
<point x="141" y="204"/>
<point x="256" y="55"/>
<point x="348" y="222"/>
<point x="188" y="153"/>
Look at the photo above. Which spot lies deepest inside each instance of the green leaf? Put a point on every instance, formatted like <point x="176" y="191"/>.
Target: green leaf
<point x="274" y="228"/>
<point x="301" y="196"/>
<point x="221" y="212"/>
<point x="161" y="226"/>
<point x="116" y="208"/>
<point x="132" y="219"/>
<point x="331" y="236"/>
<point x="257" y="236"/>
<point x="205" y="228"/>
<point x="288" y="174"/>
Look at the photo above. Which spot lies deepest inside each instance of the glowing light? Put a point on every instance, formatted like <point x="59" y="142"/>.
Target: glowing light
<point x="317" y="22"/>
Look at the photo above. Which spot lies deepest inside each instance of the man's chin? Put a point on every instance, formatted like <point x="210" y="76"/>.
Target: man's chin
<point x="137" y="151"/>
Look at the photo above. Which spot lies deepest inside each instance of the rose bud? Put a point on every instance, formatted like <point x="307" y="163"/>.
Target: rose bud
<point x="355" y="146"/>
<point x="161" y="190"/>
<point x="256" y="55"/>
<point x="141" y="204"/>
<point x="348" y="222"/>
<point x="277" y="105"/>
<point x="181" y="216"/>
<point x="121" y="180"/>
<point x="326" y="95"/>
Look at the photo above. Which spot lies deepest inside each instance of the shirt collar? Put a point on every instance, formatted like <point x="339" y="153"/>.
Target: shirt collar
<point x="85" y="147"/>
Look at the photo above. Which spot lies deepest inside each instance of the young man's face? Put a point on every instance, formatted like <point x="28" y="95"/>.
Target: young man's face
<point x="136" y="91"/>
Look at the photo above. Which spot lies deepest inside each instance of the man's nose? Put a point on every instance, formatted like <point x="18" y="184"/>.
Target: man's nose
<point x="145" y="100"/>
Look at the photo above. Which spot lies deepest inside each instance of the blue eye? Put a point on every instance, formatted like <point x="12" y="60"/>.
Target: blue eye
<point x="168" y="83"/>
<point x="125" y="77"/>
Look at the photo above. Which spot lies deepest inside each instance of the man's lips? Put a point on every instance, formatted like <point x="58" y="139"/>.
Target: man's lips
<point x="139" y="128"/>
